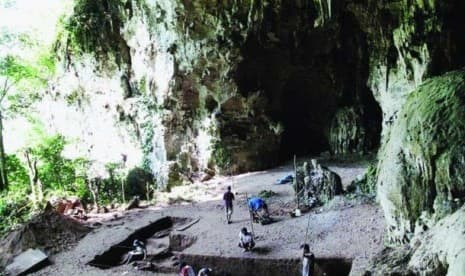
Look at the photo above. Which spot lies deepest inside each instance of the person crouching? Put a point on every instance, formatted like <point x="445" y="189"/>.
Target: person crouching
<point x="246" y="240"/>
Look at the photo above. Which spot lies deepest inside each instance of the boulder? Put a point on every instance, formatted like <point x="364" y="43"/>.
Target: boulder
<point x="420" y="173"/>
<point x="315" y="183"/>
<point x="27" y="261"/>
<point x="439" y="250"/>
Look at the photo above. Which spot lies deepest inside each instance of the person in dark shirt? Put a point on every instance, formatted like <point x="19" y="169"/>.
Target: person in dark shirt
<point x="228" y="198"/>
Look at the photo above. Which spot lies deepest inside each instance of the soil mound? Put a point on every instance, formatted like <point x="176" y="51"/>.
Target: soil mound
<point x="48" y="231"/>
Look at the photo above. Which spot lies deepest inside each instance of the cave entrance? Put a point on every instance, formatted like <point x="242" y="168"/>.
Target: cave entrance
<point x="314" y="81"/>
<point x="304" y="114"/>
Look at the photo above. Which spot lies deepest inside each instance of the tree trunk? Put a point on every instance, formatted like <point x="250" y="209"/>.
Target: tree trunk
<point x="93" y="185"/>
<point x="36" y="184"/>
<point x="3" y="176"/>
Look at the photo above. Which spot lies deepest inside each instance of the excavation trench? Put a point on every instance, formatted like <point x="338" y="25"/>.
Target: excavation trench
<point x="229" y="266"/>
<point x="155" y="235"/>
<point x="164" y="241"/>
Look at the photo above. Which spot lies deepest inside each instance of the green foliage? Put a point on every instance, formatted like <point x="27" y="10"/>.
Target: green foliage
<point x="174" y="177"/>
<point x="366" y="184"/>
<point x="61" y="177"/>
<point x="15" y="208"/>
<point x="55" y="171"/>
<point x="221" y="156"/>
<point x="16" y="71"/>
<point x="21" y="81"/>
<point x="17" y="174"/>
<point x="137" y="182"/>
<point x="266" y="194"/>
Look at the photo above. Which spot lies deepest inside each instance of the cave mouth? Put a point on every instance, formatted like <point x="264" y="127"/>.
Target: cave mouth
<point x="314" y="81"/>
<point x="160" y="229"/>
<point x="304" y="112"/>
<point x="237" y="266"/>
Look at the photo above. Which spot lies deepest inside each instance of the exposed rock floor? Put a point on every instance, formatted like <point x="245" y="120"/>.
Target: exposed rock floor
<point x="347" y="229"/>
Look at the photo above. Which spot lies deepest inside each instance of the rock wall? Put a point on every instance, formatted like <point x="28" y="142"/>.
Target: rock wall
<point x="191" y="85"/>
<point x="164" y="72"/>
<point x="437" y="251"/>
<point x="309" y="59"/>
<point x="421" y="173"/>
<point x="409" y="41"/>
<point x="188" y="86"/>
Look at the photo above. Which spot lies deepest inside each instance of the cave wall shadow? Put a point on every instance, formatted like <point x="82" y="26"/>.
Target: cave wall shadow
<point x="307" y="74"/>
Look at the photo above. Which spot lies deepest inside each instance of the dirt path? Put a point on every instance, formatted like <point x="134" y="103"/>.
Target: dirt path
<point x="344" y="229"/>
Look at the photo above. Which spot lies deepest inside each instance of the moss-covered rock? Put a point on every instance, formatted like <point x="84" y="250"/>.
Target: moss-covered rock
<point x="366" y="184"/>
<point x="436" y="251"/>
<point x="316" y="184"/>
<point x="347" y="133"/>
<point x="421" y="164"/>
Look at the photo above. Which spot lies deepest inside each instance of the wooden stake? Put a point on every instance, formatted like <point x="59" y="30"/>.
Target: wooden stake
<point x="122" y="190"/>
<point x="308" y="226"/>
<point x="297" y="192"/>
<point x="250" y="213"/>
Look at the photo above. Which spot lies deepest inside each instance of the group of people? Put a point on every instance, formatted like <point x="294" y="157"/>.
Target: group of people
<point x="258" y="209"/>
<point x="257" y="206"/>
<point x="187" y="270"/>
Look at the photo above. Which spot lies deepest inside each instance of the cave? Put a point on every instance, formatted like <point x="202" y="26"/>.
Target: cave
<point x="310" y="76"/>
<point x="302" y="116"/>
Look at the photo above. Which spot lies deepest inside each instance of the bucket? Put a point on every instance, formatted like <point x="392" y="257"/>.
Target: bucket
<point x="297" y="213"/>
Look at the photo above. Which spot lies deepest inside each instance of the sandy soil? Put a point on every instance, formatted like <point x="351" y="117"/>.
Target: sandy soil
<point x="344" y="228"/>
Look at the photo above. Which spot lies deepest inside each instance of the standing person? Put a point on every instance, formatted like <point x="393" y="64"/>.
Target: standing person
<point x="186" y="270"/>
<point x="228" y="198"/>
<point x="308" y="261"/>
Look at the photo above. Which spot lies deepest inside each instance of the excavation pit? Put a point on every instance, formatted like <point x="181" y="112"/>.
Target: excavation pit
<point x="156" y="236"/>
<point x="228" y="266"/>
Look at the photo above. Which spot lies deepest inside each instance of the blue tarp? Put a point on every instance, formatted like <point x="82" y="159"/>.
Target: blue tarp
<point x="286" y="179"/>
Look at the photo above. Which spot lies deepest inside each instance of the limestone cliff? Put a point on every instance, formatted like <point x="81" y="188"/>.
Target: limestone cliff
<point x="164" y="73"/>
<point x="182" y="87"/>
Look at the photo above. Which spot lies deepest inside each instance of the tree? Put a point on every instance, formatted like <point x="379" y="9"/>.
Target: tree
<point x="12" y="73"/>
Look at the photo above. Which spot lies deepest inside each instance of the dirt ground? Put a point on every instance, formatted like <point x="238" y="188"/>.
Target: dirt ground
<point x="345" y="228"/>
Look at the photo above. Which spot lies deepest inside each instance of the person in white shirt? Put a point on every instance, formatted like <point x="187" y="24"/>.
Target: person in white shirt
<point x="246" y="240"/>
<point x="138" y="253"/>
